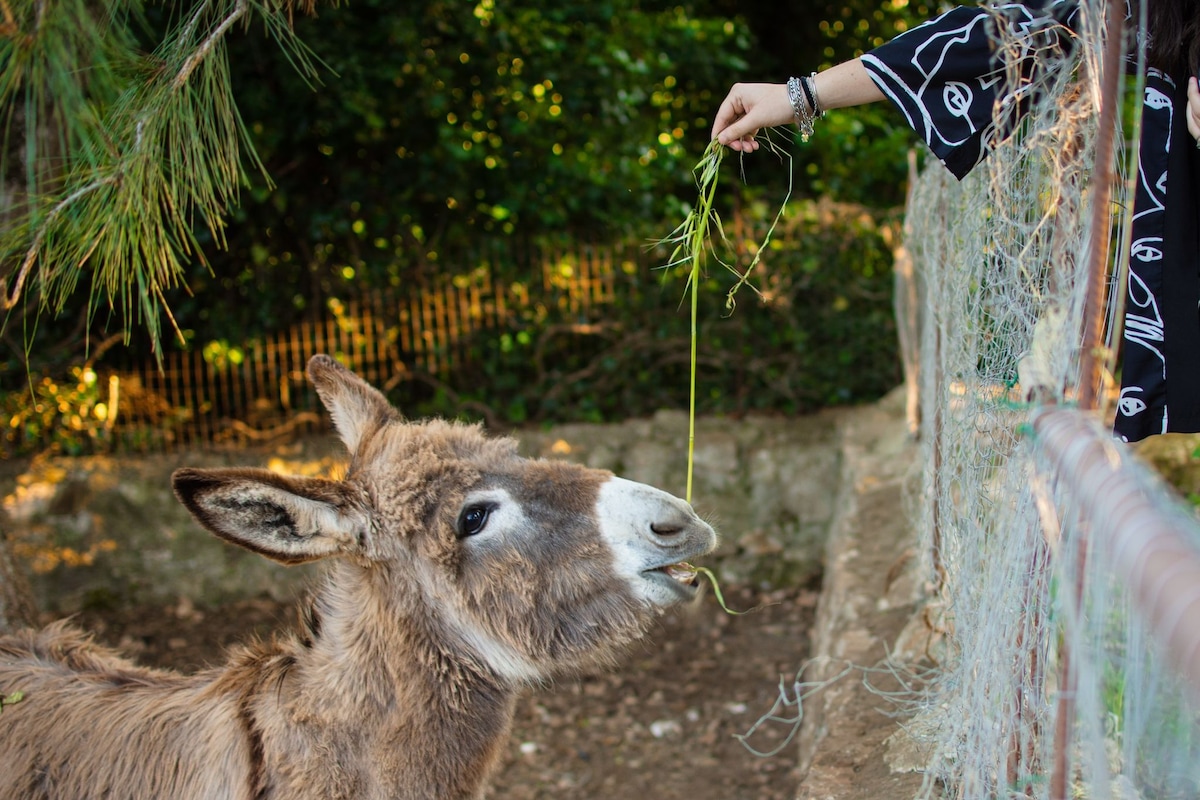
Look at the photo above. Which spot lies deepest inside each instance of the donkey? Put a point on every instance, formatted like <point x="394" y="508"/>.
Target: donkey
<point x="458" y="574"/>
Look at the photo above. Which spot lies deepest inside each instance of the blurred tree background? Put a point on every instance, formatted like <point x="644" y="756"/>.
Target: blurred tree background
<point x="376" y="144"/>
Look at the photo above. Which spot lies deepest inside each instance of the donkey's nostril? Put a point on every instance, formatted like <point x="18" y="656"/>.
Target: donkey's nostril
<point x="666" y="528"/>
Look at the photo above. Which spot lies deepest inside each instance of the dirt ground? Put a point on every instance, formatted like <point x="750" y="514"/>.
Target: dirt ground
<point x="662" y="726"/>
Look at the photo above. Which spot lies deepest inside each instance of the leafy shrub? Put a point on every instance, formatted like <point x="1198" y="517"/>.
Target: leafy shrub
<point x="816" y="330"/>
<point x="66" y="416"/>
<point x="813" y="328"/>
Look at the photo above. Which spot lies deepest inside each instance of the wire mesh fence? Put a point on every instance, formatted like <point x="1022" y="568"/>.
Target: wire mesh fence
<point x="1063" y="570"/>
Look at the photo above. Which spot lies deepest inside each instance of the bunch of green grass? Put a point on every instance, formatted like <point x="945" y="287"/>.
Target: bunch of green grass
<point x="691" y="239"/>
<point x="699" y="235"/>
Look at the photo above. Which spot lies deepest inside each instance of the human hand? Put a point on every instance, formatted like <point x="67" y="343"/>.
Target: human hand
<point x="747" y="108"/>
<point x="1193" y="109"/>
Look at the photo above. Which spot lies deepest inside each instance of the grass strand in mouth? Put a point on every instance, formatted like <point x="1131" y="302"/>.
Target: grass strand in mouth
<point x="712" y="578"/>
<point x="708" y="573"/>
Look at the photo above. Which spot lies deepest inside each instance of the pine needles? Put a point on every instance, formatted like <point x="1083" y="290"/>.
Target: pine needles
<point x="145" y="151"/>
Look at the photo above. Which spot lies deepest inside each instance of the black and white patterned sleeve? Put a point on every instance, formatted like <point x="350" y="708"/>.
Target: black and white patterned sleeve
<point x="945" y="74"/>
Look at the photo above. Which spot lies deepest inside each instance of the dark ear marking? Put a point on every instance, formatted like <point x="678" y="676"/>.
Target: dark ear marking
<point x="289" y="520"/>
<point x="270" y="516"/>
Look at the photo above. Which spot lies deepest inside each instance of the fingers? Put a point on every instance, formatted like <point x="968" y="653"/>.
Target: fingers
<point x="1193" y="108"/>
<point x="740" y="137"/>
<point x="731" y="108"/>
<point x="746" y="144"/>
<point x="730" y="126"/>
<point x="748" y="108"/>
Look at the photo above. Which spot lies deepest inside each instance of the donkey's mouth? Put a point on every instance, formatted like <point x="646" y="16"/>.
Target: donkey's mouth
<point x="682" y="577"/>
<point x="683" y="573"/>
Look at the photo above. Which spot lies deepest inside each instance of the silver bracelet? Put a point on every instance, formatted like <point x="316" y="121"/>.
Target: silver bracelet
<point x="811" y="84"/>
<point x="802" y="109"/>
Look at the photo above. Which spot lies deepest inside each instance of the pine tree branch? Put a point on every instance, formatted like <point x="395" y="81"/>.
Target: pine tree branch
<point x="189" y="31"/>
<point x="9" y="28"/>
<point x="171" y="148"/>
<point x="10" y="300"/>
<point x="12" y="291"/>
<point x="208" y="44"/>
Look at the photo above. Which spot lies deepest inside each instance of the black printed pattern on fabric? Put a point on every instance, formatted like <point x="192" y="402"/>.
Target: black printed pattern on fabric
<point x="1142" y="408"/>
<point x="944" y="77"/>
<point x="944" y="74"/>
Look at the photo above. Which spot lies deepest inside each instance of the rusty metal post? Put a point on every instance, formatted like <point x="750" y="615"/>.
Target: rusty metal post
<point x="1153" y="550"/>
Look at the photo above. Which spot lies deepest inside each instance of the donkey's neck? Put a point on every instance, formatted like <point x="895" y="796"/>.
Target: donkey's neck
<point x="415" y="703"/>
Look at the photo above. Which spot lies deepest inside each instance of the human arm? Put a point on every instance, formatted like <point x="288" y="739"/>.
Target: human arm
<point x="1193" y="109"/>
<point x="912" y="71"/>
<point x="749" y="107"/>
<point x="943" y="76"/>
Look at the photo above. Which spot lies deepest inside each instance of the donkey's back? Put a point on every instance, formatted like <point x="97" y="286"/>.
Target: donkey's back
<point x="87" y="723"/>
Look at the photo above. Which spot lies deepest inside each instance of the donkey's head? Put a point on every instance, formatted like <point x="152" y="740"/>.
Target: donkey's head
<point x="526" y="567"/>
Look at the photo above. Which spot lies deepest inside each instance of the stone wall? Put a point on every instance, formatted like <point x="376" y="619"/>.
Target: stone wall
<point x="103" y="531"/>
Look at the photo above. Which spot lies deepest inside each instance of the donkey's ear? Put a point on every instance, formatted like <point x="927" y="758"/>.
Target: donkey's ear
<point x="290" y="520"/>
<point x="357" y="407"/>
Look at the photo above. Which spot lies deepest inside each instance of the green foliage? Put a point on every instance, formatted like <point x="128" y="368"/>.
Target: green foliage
<point x="820" y="333"/>
<point x="76" y="414"/>
<point x="446" y="122"/>
<point x="437" y="126"/>
<point x="858" y="156"/>
<point x="42" y="90"/>
<point x="68" y="417"/>
<point x="850" y="29"/>
<point x="454" y="122"/>
<point x="817" y="331"/>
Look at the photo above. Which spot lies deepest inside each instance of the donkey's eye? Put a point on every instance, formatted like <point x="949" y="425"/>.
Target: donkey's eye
<point x="473" y="519"/>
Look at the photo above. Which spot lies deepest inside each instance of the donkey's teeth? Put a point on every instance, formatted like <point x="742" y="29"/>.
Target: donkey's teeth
<point x="682" y="572"/>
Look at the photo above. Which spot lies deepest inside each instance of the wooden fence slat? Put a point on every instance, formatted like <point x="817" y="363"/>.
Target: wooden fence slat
<point x="427" y="336"/>
<point x="196" y="379"/>
<point x="190" y="401"/>
<point x="181" y="431"/>
<point x="173" y="433"/>
<point x="295" y="353"/>
<point x="378" y="334"/>
<point x="437" y="346"/>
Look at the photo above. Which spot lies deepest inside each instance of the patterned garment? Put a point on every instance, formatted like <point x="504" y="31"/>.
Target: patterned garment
<point x="944" y="76"/>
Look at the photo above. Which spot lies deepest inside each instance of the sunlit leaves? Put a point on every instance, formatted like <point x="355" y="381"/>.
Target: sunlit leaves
<point x="851" y="29"/>
<point x="545" y="110"/>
